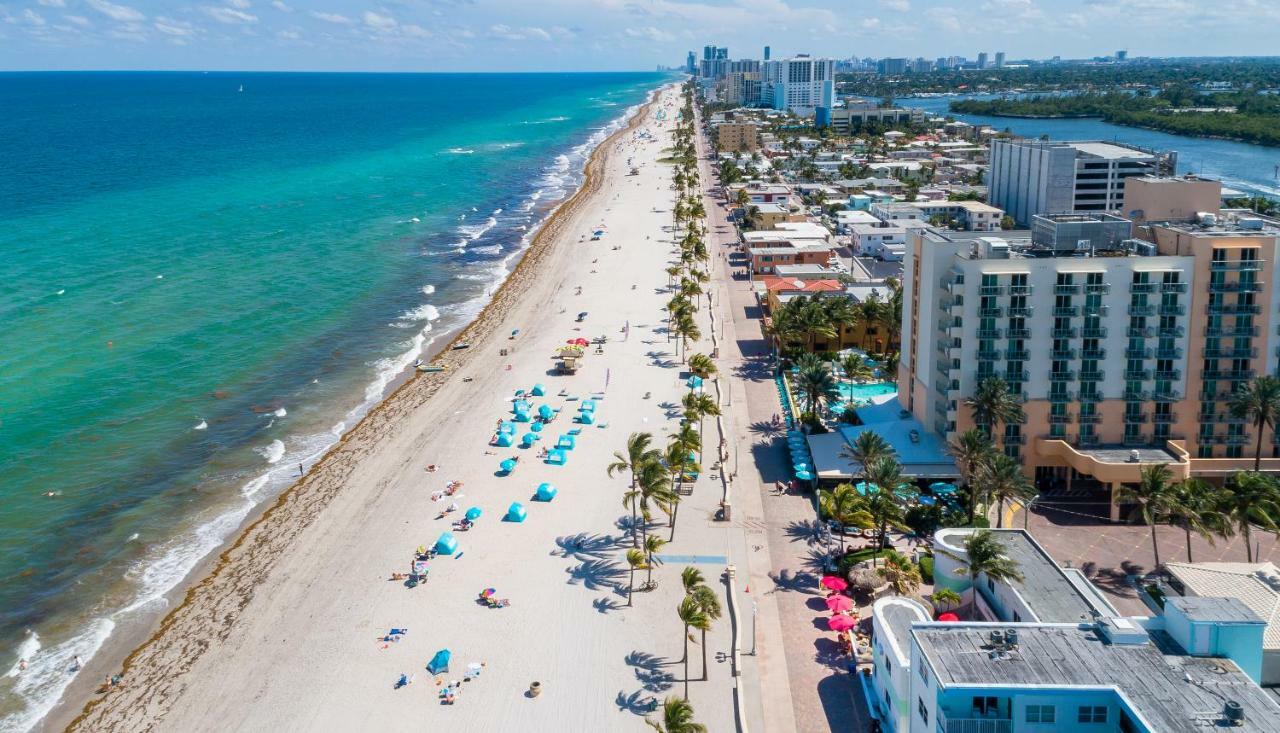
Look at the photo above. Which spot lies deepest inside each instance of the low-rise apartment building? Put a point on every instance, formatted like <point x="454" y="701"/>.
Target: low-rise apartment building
<point x="879" y="240"/>
<point x="1124" y="351"/>
<point x="973" y="216"/>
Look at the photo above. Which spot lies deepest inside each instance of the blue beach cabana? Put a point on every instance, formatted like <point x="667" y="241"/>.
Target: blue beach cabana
<point x="545" y="412"/>
<point x="504" y="440"/>
<point x="538" y="390"/>
<point x="507" y="427"/>
<point x="447" y="544"/>
<point x="587" y="418"/>
<point x="546" y="492"/>
<point x="473" y="513"/>
<point x="567" y="442"/>
<point x="516" y="512"/>
<point x="556" y="457"/>
<point x="440" y="662"/>
<point x="508" y="465"/>
<point x="536" y="427"/>
<point x="587" y="406"/>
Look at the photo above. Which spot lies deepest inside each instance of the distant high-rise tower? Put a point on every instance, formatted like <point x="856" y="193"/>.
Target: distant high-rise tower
<point x="766" y="53"/>
<point x="999" y="59"/>
<point x="708" y="52"/>
<point x="982" y="60"/>
<point x="722" y="53"/>
<point x="691" y="64"/>
<point x="1122" y="55"/>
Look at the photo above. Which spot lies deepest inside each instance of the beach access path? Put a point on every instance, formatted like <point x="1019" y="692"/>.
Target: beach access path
<point x="806" y="687"/>
<point x="300" y="649"/>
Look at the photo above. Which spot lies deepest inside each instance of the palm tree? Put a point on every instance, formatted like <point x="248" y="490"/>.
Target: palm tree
<point x="672" y="273"/>
<point x="971" y="450"/>
<point x="945" y="598"/>
<point x="701" y="366"/>
<point x="1252" y="498"/>
<point x="638" y="454"/>
<point x="1195" y="506"/>
<point x="993" y="404"/>
<point x="817" y="385"/>
<point x="677" y="717"/>
<point x="1002" y="479"/>
<point x="691" y="578"/>
<point x="1258" y="401"/>
<point x="635" y="560"/>
<point x="687" y="329"/>
<point x="885" y="474"/>
<point x="692" y="616"/>
<point x="654" y="491"/>
<point x="709" y="604"/>
<point x="902" y="574"/>
<point x="652" y="544"/>
<point x="856" y="368"/>
<point x="987" y="555"/>
<point x="865" y="449"/>
<point x="846" y="507"/>
<point x="1153" y="494"/>
<point x="698" y="405"/>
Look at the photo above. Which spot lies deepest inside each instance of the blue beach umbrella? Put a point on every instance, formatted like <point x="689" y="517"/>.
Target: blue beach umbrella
<point x="536" y="427"/>
<point x="529" y="439"/>
<point x="504" y="440"/>
<point x="508" y="465"/>
<point x="693" y="382"/>
<point x="545" y="412"/>
<point x="928" y="500"/>
<point x="474" y="513"/>
<point x="440" y="662"/>
<point x="522" y="416"/>
<point x="801" y="467"/>
<point x="546" y="492"/>
<point x="516" y="512"/>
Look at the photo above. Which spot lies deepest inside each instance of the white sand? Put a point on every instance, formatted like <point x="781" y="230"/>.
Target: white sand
<point x="282" y="636"/>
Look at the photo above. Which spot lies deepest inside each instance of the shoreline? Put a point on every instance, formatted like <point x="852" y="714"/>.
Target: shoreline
<point x="236" y="561"/>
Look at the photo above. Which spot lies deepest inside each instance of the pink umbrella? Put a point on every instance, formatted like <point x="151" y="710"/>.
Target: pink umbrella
<point x="831" y="582"/>
<point x="839" y="603"/>
<point x="841" y="623"/>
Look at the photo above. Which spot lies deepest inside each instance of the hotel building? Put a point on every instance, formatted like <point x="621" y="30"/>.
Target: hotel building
<point x="1124" y="345"/>
<point x="801" y="85"/>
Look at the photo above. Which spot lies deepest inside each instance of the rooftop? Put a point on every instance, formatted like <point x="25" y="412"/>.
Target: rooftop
<point x="1220" y="610"/>
<point x="1167" y="689"/>
<point x="1257" y="585"/>
<point x="1228" y="223"/>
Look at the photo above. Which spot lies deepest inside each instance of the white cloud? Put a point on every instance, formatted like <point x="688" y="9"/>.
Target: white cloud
<point x="79" y="20"/>
<point x="122" y="13"/>
<point x="171" y="27"/>
<point x="900" y="6"/>
<point x="54" y="3"/>
<point x="241" y="4"/>
<point x="508" y="33"/>
<point x="331" y="17"/>
<point x="379" y="22"/>
<point x="650" y="33"/>
<point x="289" y="35"/>
<point x="230" y="16"/>
<point x="281" y="6"/>
<point x="560" y="31"/>
<point x="32" y="17"/>
<point x="415" y="31"/>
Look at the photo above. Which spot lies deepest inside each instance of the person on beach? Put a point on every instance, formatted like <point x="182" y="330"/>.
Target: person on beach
<point x="77" y="664"/>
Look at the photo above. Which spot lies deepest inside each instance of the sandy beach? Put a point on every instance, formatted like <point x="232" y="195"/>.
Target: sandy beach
<point x="283" y="631"/>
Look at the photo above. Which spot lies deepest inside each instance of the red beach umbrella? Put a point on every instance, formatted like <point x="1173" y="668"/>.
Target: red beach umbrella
<point x="949" y="617"/>
<point x="841" y="623"/>
<point x="831" y="582"/>
<point x="839" y="603"/>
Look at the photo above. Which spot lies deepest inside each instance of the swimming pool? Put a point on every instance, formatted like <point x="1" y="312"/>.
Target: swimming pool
<point x="868" y="390"/>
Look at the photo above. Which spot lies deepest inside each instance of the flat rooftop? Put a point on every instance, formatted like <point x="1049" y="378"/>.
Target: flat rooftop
<point x="1152" y="676"/>
<point x="1257" y="585"/>
<point x="1126" y="454"/>
<point x="1109" y="151"/>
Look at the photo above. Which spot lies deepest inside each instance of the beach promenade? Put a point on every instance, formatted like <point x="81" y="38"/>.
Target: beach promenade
<point x="287" y="633"/>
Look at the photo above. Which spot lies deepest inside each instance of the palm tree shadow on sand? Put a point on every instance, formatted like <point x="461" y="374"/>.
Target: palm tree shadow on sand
<point x="584" y="546"/>
<point x="597" y="575"/>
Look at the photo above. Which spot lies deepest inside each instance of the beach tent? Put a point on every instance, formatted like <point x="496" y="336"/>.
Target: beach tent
<point x="546" y="492"/>
<point x="504" y="440"/>
<point x="473" y="513"/>
<point x="529" y="439"/>
<point x="516" y="512"/>
<point x="538" y="390"/>
<point x="521" y="405"/>
<point x="440" y="662"/>
<point x="508" y="465"/>
<point x="587" y="406"/>
<point x="568" y="442"/>
<point x="536" y="427"/>
<point x="522" y="416"/>
<point x="447" y="544"/>
<point x="545" y="412"/>
<point x="587" y="418"/>
<point x="556" y="457"/>
<point x="507" y="427"/>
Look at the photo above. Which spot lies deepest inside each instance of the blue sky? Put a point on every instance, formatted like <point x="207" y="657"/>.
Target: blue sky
<point x="485" y="35"/>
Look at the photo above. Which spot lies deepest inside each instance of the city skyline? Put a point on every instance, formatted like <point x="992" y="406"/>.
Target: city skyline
<point x="609" y="35"/>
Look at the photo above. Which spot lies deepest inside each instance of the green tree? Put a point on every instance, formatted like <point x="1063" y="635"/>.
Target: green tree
<point x="635" y="561"/>
<point x="818" y="386"/>
<point x="693" y="617"/>
<point x="652" y="544"/>
<point x="1258" y="401"/>
<point x="702" y="366"/>
<point x="993" y="404"/>
<point x="901" y="574"/>
<point x="944" y="598"/>
<point x="1002" y="479"/>
<point x="699" y="405"/>
<point x="987" y="555"/>
<point x="846" y="507"/>
<point x="709" y="604"/>
<point x="677" y="717"/>
<point x="971" y="450"/>
<point x="637" y="454"/>
<point x="1252" y="498"/>
<point x="885" y="473"/>
<point x="1154" y="496"/>
<point x="1195" y="507"/>
<point x="866" y="449"/>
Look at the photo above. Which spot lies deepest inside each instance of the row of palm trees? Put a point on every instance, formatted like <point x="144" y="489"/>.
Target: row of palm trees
<point x="687" y="276"/>
<point x="803" y="320"/>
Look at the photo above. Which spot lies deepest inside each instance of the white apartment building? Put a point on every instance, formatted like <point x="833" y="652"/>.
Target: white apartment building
<point x="800" y="85"/>
<point x="878" y="240"/>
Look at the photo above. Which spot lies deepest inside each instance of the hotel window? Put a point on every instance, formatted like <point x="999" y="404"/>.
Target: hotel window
<point x="1041" y="714"/>
<point x="924" y="674"/>
<point x="1092" y="714"/>
<point x="924" y="711"/>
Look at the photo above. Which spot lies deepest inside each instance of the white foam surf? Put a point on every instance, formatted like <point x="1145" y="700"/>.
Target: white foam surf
<point x="273" y="452"/>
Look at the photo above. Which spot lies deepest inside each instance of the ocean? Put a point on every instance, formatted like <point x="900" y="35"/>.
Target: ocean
<point x="206" y="278"/>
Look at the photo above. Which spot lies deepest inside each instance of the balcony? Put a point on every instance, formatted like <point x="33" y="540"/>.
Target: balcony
<point x="990" y="312"/>
<point x="1137" y="395"/>
<point x="991" y="290"/>
<point x="942" y="386"/>
<point x="988" y="333"/>
<point x="1019" y="333"/>
<point x="1137" y="375"/>
<point x="1094" y="333"/>
<point x="1021" y="312"/>
<point x="1061" y="419"/>
<point x="1223" y="439"/>
<point x="1097" y="287"/>
<point x="1137" y="353"/>
<point x="1095" y="310"/>
<point x="1066" y="311"/>
<point x="1135" y="417"/>
<point x="1233" y="309"/>
<point x="1061" y="396"/>
<point x="1221" y="417"/>
<point x="1018" y="355"/>
<point x="1229" y="374"/>
<point x="1164" y="417"/>
<point x="1093" y="353"/>
<point x="1013" y="439"/>
<point x="1235" y="287"/>
<point x="1135" y="440"/>
<point x="1063" y="333"/>
<point x="1020" y="290"/>
<point x="1173" y="287"/>
<point x="1231" y="331"/>
<point x="1090" y="418"/>
<point x="1236" y="265"/>
<point x="1166" y="396"/>
<point x="1067" y="376"/>
<point x="1142" y="310"/>
<point x="1068" y="354"/>
<point x="1230" y="353"/>
<point x="973" y="725"/>
<point x="1089" y="397"/>
<point x="1170" y="333"/>
<point x="1088" y="440"/>
<point x="1144" y="287"/>
<point x="1066" y="289"/>
<point x="1173" y="353"/>
<point x="1092" y="376"/>
<point x="988" y="355"/>
<point x="1140" y="333"/>
<point x="1172" y="309"/>
<point x="1021" y="376"/>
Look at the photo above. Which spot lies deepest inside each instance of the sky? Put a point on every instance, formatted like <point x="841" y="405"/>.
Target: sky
<point x="602" y="35"/>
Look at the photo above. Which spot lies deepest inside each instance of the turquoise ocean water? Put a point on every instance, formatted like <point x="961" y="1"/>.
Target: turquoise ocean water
<point x="205" y="278"/>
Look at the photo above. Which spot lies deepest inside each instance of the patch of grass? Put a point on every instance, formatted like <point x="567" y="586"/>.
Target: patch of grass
<point x="926" y="569"/>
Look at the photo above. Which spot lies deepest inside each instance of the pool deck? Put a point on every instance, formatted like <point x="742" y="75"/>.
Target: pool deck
<point x="925" y="457"/>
